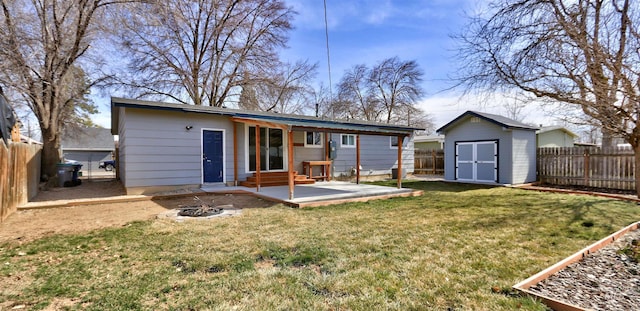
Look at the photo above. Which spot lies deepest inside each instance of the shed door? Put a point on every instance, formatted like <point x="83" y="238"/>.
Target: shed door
<point x="212" y="156"/>
<point x="477" y="161"/>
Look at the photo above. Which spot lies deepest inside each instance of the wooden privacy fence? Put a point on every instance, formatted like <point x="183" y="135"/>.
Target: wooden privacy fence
<point x="19" y="175"/>
<point x="590" y="167"/>
<point x="429" y="162"/>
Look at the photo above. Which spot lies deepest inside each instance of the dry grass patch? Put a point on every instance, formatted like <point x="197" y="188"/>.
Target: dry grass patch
<point x="447" y="250"/>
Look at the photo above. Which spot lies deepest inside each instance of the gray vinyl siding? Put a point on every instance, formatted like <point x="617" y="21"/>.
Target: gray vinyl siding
<point x="376" y="156"/>
<point x="122" y="163"/>
<point x="302" y="153"/>
<point x="161" y="151"/>
<point x="524" y="157"/>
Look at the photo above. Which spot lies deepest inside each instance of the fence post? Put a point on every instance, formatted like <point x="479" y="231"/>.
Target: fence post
<point x="586" y="167"/>
<point x="433" y="158"/>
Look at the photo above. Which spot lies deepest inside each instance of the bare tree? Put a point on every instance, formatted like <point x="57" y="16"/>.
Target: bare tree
<point x="384" y="93"/>
<point x="396" y="84"/>
<point x="200" y="51"/>
<point x="41" y="44"/>
<point x="319" y="101"/>
<point x="583" y="53"/>
<point x="285" y="88"/>
<point x="354" y="97"/>
<point x="416" y="117"/>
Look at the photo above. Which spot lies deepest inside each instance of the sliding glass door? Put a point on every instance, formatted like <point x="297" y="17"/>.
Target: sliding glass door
<point x="271" y="149"/>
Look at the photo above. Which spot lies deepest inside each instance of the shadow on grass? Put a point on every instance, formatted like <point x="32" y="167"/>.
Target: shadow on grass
<point x="237" y="200"/>
<point x="435" y="186"/>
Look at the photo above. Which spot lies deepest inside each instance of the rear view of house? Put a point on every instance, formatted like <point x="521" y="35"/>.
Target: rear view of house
<point x="167" y="146"/>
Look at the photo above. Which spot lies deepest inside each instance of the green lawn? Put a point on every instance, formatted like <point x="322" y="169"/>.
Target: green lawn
<point x="445" y="250"/>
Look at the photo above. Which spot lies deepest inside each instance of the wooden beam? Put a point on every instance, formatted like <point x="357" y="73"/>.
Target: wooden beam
<point x="261" y="123"/>
<point x="327" y="149"/>
<point x="235" y="154"/>
<point x="400" y="139"/>
<point x="258" y="158"/>
<point x="358" y="159"/>
<point x="290" y="163"/>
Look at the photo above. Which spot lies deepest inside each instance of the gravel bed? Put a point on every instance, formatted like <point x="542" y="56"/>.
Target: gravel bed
<point x="604" y="280"/>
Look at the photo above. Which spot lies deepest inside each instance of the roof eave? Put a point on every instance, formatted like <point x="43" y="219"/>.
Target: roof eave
<point x="379" y="128"/>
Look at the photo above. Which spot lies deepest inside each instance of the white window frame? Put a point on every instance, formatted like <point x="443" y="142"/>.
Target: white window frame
<point x="306" y="145"/>
<point x="391" y="146"/>
<point x="342" y="145"/>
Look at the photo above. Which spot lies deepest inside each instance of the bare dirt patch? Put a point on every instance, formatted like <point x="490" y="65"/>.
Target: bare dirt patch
<point x="29" y="225"/>
<point x="89" y="189"/>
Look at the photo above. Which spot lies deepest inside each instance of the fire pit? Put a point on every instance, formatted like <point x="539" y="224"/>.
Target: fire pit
<point x="202" y="210"/>
<point x="199" y="211"/>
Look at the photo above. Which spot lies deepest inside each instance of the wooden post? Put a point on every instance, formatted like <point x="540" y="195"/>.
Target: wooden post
<point x="290" y="163"/>
<point x="235" y="154"/>
<point x="15" y="133"/>
<point x="358" y="159"/>
<point x="433" y="158"/>
<point x="586" y="167"/>
<point x="326" y="170"/>
<point x="400" y="138"/>
<point x="258" y="158"/>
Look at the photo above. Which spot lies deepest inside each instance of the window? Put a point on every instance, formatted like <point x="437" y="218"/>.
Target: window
<point x="313" y="139"/>
<point x="348" y="141"/>
<point x="393" y="140"/>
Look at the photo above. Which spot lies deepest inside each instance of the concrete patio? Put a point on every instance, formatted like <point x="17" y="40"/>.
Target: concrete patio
<point x="318" y="194"/>
<point x="321" y="193"/>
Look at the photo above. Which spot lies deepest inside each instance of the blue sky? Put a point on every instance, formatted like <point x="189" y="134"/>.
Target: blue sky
<point x="366" y="32"/>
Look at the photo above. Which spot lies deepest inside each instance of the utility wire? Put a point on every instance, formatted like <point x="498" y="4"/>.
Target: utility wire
<point x="326" y="33"/>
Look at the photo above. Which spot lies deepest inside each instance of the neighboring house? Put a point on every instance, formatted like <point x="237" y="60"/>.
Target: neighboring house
<point x="483" y="147"/>
<point x="555" y="136"/>
<point x="168" y="146"/>
<point x="89" y="146"/>
<point x="429" y="142"/>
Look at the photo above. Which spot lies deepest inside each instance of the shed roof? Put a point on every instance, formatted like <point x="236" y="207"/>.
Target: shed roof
<point x="298" y="122"/>
<point x="493" y="118"/>
<point x="88" y="138"/>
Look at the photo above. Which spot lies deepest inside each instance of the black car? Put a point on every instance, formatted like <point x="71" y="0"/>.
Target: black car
<point x="108" y="165"/>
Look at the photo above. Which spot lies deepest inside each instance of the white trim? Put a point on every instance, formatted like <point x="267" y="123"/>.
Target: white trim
<point x="474" y="161"/>
<point x="391" y="146"/>
<point x="321" y="145"/>
<point x="348" y="146"/>
<point x="224" y="155"/>
<point x="285" y="155"/>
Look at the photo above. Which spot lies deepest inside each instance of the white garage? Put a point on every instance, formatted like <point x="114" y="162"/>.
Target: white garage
<point x="487" y="148"/>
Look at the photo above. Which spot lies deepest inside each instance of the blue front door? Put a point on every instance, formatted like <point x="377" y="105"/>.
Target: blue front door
<point x="212" y="156"/>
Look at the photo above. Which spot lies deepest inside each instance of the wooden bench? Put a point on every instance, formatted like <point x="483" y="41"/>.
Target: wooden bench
<point x="307" y="168"/>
